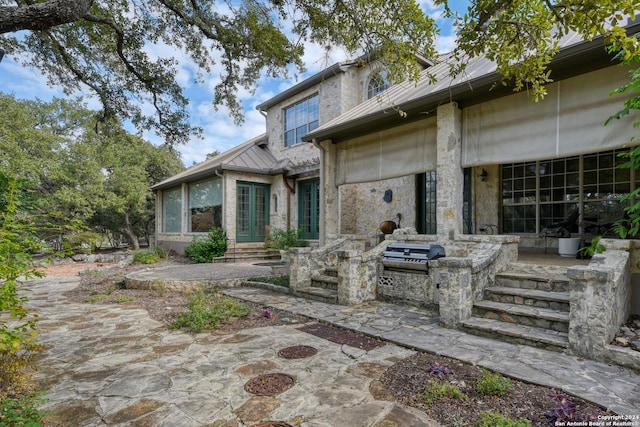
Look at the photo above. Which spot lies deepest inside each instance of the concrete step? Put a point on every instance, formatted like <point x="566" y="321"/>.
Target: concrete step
<point x="324" y="281"/>
<point x="328" y="296"/>
<point x="530" y="297"/>
<point x="517" y="334"/>
<point x="544" y="318"/>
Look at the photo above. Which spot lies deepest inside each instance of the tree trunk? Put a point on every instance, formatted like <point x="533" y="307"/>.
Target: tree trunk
<point x="42" y="16"/>
<point x="128" y="231"/>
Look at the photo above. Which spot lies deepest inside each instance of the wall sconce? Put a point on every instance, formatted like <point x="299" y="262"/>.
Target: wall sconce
<point x="483" y="175"/>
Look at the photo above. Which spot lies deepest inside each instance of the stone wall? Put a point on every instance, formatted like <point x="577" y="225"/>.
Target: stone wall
<point x="600" y="298"/>
<point x="362" y="207"/>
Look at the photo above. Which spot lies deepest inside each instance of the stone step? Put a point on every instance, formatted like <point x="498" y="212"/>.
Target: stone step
<point x="517" y="334"/>
<point x="549" y="280"/>
<point x="328" y="296"/>
<point x="544" y="318"/>
<point x="248" y="255"/>
<point x="530" y="297"/>
<point x="331" y="271"/>
<point x="324" y="281"/>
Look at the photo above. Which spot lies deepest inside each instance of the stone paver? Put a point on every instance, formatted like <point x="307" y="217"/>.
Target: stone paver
<point x="612" y="387"/>
<point x="112" y="365"/>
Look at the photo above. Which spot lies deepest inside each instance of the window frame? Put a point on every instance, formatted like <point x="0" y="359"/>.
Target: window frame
<point x="166" y="198"/>
<point x="213" y="209"/>
<point x="547" y="191"/>
<point x="377" y="83"/>
<point x="300" y="118"/>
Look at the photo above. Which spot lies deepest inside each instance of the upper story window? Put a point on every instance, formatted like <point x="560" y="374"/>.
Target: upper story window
<point x="378" y="83"/>
<point x="300" y="119"/>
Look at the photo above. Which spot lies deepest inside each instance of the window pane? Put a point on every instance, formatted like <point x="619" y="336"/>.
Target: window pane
<point x="300" y="119"/>
<point x="172" y="210"/>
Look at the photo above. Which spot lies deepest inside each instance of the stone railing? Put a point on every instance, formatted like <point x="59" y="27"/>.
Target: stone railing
<point x="471" y="268"/>
<point x="306" y="262"/>
<point x="600" y="296"/>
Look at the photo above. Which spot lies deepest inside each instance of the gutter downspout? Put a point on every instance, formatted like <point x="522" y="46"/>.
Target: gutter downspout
<point x="291" y="189"/>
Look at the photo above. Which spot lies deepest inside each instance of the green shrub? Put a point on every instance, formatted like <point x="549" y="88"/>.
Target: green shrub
<point x="436" y="391"/>
<point x="85" y="241"/>
<point x="206" y="311"/>
<point x="493" y="419"/>
<point x="493" y="384"/>
<point x="202" y="250"/>
<point x="148" y="256"/>
<point x="285" y="239"/>
<point x="21" y="411"/>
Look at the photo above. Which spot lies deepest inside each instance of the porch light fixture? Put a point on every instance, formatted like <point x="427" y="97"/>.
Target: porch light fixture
<point x="483" y="175"/>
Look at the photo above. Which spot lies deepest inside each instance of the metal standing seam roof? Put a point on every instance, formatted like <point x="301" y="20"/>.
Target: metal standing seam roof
<point x="250" y="156"/>
<point x="437" y="87"/>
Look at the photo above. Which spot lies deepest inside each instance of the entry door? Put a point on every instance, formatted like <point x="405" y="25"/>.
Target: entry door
<point x="252" y="213"/>
<point x="309" y="208"/>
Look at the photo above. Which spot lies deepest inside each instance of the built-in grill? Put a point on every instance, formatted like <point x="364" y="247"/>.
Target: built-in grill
<point x="413" y="257"/>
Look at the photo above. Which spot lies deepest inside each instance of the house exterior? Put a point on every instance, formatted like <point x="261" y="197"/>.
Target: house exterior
<point x="272" y="180"/>
<point x="473" y="157"/>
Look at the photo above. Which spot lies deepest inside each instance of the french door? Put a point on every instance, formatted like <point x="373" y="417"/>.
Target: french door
<point x="252" y="213"/>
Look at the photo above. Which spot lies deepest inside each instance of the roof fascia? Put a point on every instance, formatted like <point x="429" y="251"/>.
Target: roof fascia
<point x="569" y="62"/>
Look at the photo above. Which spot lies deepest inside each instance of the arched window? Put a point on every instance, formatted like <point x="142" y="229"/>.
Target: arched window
<point x="378" y="83"/>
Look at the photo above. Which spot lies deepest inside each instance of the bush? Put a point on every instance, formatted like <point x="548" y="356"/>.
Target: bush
<point x="148" y="256"/>
<point x="21" y="411"/>
<point x="436" y="391"/>
<point x="205" y="250"/>
<point x="493" y="384"/>
<point x="85" y="241"/>
<point x="206" y="311"/>
<point x="285" y="239"/>
<point x="492" y="419"/>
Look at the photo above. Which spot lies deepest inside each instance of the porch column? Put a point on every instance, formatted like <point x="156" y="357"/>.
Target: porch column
<point x="329" y="212"/>
<point x="450" y="174"/>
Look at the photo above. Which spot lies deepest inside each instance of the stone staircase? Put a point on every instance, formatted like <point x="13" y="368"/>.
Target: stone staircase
<point x="324" y="287"/>
<point x="249" y="254"/>
<point x="529" y="305"/>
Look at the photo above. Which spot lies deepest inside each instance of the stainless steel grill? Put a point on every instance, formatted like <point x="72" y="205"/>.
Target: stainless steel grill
<point x="412" y="257"/>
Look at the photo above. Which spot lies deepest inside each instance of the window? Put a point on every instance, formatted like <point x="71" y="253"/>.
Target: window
<point x="300" y="119"/>
<point x="205" y="205"/>
<point x="378" y="83"/>
<point x="426" y="203"/>
<point x="537" y="194"/>
<point x="172" y="210"/>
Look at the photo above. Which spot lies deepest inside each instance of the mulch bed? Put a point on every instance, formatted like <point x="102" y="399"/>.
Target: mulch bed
<point x="407" y="380"/>
<point x="297" y="352"/>
<point x="269" y="384"/>
<point x="341" y="336"/>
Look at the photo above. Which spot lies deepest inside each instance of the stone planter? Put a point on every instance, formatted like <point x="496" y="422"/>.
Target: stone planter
<point x="568" y="246"/>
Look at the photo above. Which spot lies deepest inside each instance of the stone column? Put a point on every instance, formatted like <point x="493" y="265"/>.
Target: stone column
<point x="450" y="174"/>
<point x="329" y="196"/>
<point x="600" y="298"/>
<point x="300" y="268"/>
<point x="357" y="280"/>
<point x="456" y="290"/>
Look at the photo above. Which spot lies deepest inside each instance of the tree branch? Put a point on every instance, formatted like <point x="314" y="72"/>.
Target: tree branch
<point x="42" y="16"/>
